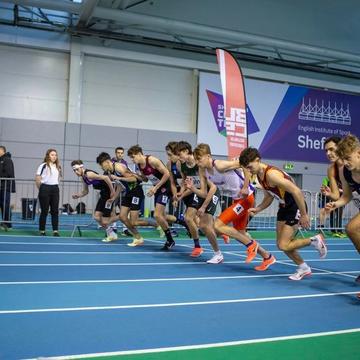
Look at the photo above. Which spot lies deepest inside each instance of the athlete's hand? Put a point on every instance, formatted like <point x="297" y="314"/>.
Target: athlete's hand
<point x="253" y="211"/>
<point x="325" y="190"/>
<point x="189" y="183"/>
<point x="175" y="202"/>
<point x="330" y="206"/>
<point x="243" y="193"/>
<point x="304" y="221"/>
<point x="151" y="191"/>
<point x="200" y="212"/>
<point x="76" y="196"/>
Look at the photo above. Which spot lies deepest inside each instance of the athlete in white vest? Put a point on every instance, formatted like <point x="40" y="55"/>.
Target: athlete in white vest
<point x="231" y="181"/>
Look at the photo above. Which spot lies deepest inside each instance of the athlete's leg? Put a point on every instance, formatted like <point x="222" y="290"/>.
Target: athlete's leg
<point x="207" y="226"/>
<point x="352" y="230"/>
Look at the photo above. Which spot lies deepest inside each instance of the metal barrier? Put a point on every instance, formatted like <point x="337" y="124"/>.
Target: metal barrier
<point x="22" y="207"/>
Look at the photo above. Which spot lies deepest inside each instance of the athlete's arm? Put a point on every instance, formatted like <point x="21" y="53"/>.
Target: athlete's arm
<point x="158" y="165"/>
<point x="267" y="201"/>
<point x="333" y="191"/>
<point x="344" y="198"/>
<point x="91" y="175"/>
<point x="212" y="190"/>
<point x="202" y="191"/>
<point x="128" y="176"/>
<point x="84" y="191"/>
<point x="276" y="178"/>
<point x="226" y="165"/>
<point x="172" y="180"/>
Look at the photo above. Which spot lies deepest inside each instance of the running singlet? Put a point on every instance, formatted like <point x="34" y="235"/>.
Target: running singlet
<point x="354" y="186"/>
<point x="127" y="185"/>
<point x="285" y="199"/>
<point x="97" y="184"/>
<point x="230" y="182"/>
<point x="176" y="174"/>
<point x="152" y="174"/>
<point x="192" y="172"/>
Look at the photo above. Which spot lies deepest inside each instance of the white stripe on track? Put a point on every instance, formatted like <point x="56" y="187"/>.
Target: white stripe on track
<point x="115" y="281"/>
<point x="206" y="346"/>
<point x="192" y="303"/>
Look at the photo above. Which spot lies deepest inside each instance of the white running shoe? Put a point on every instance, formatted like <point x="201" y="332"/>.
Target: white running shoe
<point x="136" y="242"/>
<point x="300" y="273"/>
<point x="112" y="236"/>
<point x="318" y="242"/>
<point x="161" y="231"/>
<point x="216" y="259"/>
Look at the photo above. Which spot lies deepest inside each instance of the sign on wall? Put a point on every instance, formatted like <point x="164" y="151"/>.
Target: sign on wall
<point x="285" y="122"/>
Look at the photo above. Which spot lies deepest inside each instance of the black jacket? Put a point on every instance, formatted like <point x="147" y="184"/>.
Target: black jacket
<point x="7" y="171"/>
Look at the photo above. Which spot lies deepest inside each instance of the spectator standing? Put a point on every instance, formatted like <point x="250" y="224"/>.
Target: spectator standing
<point x="47" y="181"/>
<point x="6" y="186"/>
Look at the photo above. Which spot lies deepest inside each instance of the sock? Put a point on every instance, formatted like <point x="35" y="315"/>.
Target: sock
<point x="217" y="252"/>
<point x="303" y="266"/>
<point x="250" y="243"/>
<point x="197" y="243"/>
<point x="267" y="258"/>
<point x="169" y="238"/>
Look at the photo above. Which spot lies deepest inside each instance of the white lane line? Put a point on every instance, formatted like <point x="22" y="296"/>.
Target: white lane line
<point x="115" y="281"/>
<point x="206" y="346"/>
<point x="192" y="303"/>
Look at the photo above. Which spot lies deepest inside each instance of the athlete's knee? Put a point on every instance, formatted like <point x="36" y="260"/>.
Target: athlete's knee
<point x="158" y="216"/>
<point x="123" y="218"/>
<point x="283" y="246"/>
<point x="219" y="226"/>
<point x="189" y="218"/>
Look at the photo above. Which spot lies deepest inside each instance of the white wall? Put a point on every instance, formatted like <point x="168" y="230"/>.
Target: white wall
<point x="33" y="84"/>
<point x="136" y="95"/>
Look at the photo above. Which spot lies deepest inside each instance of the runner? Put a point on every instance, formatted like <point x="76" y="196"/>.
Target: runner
<point x="348" y="150"/>
<point x="292" y="209"/>
<point x="231" y="182"/>
<point x="151" y="168"/>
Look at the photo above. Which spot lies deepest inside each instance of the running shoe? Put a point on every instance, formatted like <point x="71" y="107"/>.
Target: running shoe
<point x="196" y="252"/>
<point x="168" y="245"/>
<point x="252" y="251"/>
<point x="111" y="237"/>
<point x="318" y="241"/>
<point x="266" y="263"/>
<point x="56" y="233"/>
<point x="226" y="238"/>
<point x="161" y="231"/>
<point x="216" y="259"/>
<point x="300" y="274"/>
<point x="136" y="242"/>
<point x="357" y="280"/>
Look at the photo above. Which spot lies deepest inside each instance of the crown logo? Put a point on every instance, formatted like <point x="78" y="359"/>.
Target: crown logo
<point x="333" y="114"/>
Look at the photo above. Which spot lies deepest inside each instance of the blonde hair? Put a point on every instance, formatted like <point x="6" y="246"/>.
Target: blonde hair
<point x="201" y="150"/>
<point x="347" y="145"/>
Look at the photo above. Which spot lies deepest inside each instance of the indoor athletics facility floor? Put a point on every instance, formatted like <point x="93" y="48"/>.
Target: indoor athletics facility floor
<point x="80" y="298"/>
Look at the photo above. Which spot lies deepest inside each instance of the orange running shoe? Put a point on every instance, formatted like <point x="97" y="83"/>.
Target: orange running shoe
<point x="266" y="263"/>
<point x="252" y="251"/>
<point x="196" y="252"/>
<point x="226" y="238"/>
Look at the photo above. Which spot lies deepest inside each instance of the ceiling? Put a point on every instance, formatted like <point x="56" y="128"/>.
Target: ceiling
<point x="319" y="35"/>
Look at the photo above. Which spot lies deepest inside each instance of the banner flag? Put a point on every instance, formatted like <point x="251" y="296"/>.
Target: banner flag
<point x="234" y="103"/>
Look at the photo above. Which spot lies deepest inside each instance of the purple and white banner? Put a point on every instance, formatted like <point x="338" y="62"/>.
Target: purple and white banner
<point x="285" y="122"/>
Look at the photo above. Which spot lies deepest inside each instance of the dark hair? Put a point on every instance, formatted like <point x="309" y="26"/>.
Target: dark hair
<point x="76" y="162"/>
<point x="248" y="155"/>
<point x="119" y="148"/>
<point x="135" y="149"/>
<point x="183" y="145"/>
<point x="171" y="146"/>
<point x="334" y="139"/>
<point x="103" y="157"/>
<point x="3" y="147"/>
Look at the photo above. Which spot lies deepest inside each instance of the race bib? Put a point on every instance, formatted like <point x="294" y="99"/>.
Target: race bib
<point x="238" y="209"/>
<point x="135" y="200"/>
